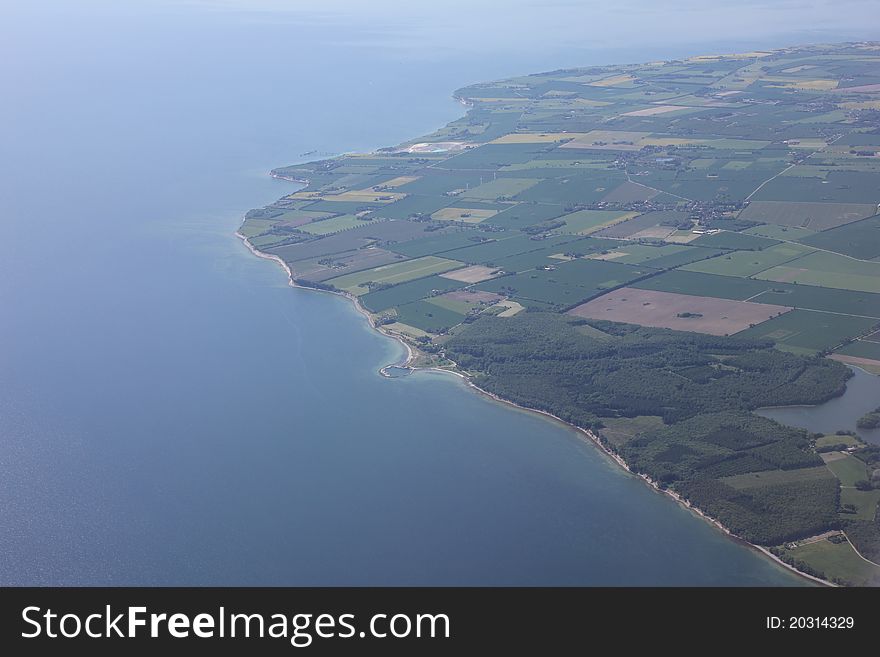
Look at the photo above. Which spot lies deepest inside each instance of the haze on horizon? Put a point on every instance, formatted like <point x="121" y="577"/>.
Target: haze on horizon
<point x="511" y="24"/>
<point x="496" y="26"/>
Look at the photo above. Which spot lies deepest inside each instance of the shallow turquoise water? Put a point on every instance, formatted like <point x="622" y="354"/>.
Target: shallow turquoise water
<point x="171" y="412"/>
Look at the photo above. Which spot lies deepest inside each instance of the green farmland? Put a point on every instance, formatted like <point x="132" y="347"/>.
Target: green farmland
<point x="722" y="209"/>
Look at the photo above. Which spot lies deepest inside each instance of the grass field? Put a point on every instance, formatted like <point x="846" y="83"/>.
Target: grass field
<point x="489" y="252"/>
<point x="812" y="216"/>
<point x="464" y="301"/>
<point x="761" y="291"/>
<point x="584" y="222"/>
<point x="748" y="263"/>
<point x="635" y="254"/>
<point x="407" y="292"/>
<point x="850" y="441"/>
<point x="808" y="331"/>
<point x="865" y="502"/>
<point x="428" y="316"/>
<point x="862" y="349"/>
<point x="472" y="274"/>
<point x="435" y="244"/>
<point x="828" y="270"/>
<point x="845" y="467"/>
<point x="570" y="283"/>
<point x="333" y="225"/>
<point x="467" y="215"/>
<point x="860" y="239"/>
<point x="771" y="477"/>
<point x="399" y="272"/>
<point x="784" y="233"/>
<point x="411" y="331"/>
<point x="730" y="240"/>
<point x="838" y="560"/>
<point x="502" y="187"/>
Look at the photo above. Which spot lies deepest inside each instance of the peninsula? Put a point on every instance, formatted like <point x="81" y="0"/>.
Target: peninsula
<point x="649" y="253"/>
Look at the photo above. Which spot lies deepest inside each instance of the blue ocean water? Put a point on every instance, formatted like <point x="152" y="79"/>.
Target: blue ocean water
<point x="171" y="412"/>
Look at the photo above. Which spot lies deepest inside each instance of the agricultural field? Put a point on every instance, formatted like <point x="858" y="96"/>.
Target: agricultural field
<point x="824" y="269"/>
<point x="333" y="225"/>
<point x="865" y="502"/>
<point x="564" y="286"/>
<point x="846" y="302"/>
<point x="813" y="216"/>
<point x="399" y="272"/>
<point x="807" y="331"/>
<point x="428" y="316"/>
<point x="860" y="239"/>
<point x="848" y="469"/>
<point x="681" y="312"/>
<point x="834" y="439"/>
<point x="835" y="559"/>
<point x="584" y="222"/>
<point x="749" y="263"/>
<point x="404" y="293"/>
<point x="472" y="274"/>
<point x="772" y="477"/>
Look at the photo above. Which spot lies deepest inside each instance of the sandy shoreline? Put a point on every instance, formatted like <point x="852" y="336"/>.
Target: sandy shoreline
<point x="410" y="354"/>
<point x="586" y="434"/>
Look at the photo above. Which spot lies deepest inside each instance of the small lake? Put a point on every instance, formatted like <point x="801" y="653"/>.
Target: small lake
<point x="862" y="396"/>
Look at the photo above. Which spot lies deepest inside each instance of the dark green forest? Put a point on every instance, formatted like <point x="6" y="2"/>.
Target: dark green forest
<point x="702" y="386"/>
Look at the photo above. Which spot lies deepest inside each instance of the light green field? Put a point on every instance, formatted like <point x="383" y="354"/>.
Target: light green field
<point x="264" y="241"/>
<point x="737" y="144"/>
<point x="836" y="560"/>
<point x="806" y="331"/>
<point x="334" y="225"/>
<point x="847" y="468"/>
<point x="619" y="430"/>
<point x="489" y="191"/>
<point x="557" y="164"/>
<point x="828" y="270"/>
<point x="864" y="500"/>
<point x="635" y="254"/>
<point x="774" y="232"/>
<point x="849" y="441"/>
<point x="585" y="221"/>
<point x="455" y="305"/>
<point x="770" y="477"/>
<point x="748" y="263"/>
<point x="397" y="272"/>
<point x="467" y="215"/>
<point x="406" y="329"/>
<point x="253" y="227"/>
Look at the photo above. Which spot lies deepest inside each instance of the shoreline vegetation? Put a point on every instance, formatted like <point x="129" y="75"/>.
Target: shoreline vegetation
<point x="473" y="249"/>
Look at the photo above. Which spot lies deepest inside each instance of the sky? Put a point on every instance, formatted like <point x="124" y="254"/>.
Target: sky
<point x="499" y="25"/>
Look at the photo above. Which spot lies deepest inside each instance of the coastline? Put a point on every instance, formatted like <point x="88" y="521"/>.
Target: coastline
<point x="585" y="434"/>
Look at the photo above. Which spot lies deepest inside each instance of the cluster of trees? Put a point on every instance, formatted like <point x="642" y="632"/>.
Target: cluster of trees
<point x="802" y="566"/>
<point x="865" y="536"/>
<point x="546" y="361"/>
<point x="717" y="445"/>
<point x="869" y="420"/>
<point x="702" y="386"/>
<point x="769" y="515"/>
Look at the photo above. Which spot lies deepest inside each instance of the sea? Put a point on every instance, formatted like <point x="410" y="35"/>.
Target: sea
<point x="173" y="413"/>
